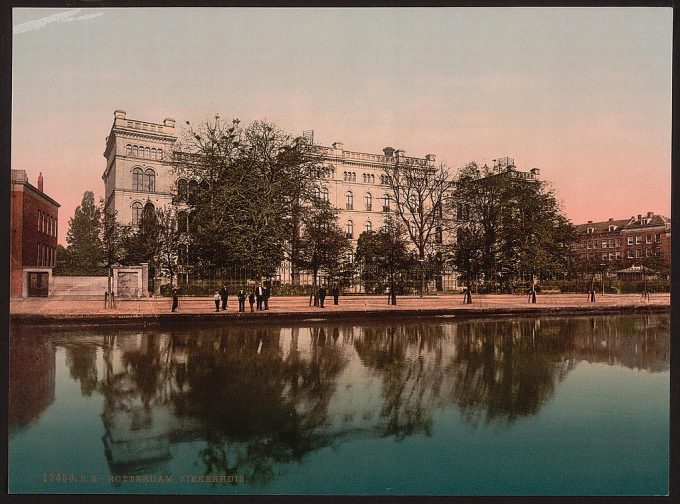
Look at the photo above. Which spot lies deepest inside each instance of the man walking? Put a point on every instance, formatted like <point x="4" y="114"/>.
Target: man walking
<point x="322" y="295"/>
<point x="265" y="294"/>
<point x="258" y="296"/>
<point x="241" y="295"/>
<point x="336" y="294"/>
<point x="175" y="300"/>
<point x="224" y="296"/>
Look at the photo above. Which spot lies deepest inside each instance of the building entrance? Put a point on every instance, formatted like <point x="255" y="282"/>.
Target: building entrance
<point x="38" y="284"/>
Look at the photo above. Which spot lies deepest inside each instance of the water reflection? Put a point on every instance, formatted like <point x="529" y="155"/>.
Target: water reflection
<point x="259" y="397"/>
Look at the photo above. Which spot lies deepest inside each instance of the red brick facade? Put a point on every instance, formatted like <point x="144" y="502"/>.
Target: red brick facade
<point x="629" y="241"/>
<point x="33" y="229"/>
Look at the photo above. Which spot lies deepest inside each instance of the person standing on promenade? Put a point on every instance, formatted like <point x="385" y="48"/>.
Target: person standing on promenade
<point x="224" y="296"/>
<point x="312" y="297"/>
<point x="217" y="298"/>
<point x="258" y="296"/>
<point x="265" y="297"/>
<point x="336" y="294"/>
<point x="322" y="295"/>
<point x="175" y="300"/>
<point x="532" y="294"/>
<point x="241" y="295"/>
<point x="251" y="300"/>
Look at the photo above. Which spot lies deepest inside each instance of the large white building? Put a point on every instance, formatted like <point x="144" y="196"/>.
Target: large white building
<point x="138" y="173"/>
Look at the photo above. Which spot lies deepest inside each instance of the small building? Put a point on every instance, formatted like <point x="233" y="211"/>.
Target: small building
<point x="34" y="218"/>
<point x="635" y="273"/>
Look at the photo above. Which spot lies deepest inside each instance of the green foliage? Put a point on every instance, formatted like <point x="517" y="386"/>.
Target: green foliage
<point x="323" y="245"/>
<point x="256" y="180"/>
<point x="384" y="257"/>
<point x="84" y="252"/>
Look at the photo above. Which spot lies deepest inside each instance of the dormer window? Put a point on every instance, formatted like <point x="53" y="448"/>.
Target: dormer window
<point x="590" y="230"/>
<point x="612" y="228"/>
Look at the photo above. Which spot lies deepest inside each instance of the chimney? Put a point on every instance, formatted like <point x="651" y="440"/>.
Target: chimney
<point x="40" y="182"/>
<point x="590" y="222"/>
<point x="650" y="214"/>
<point x="389" y="151"/>
<point x="430" y="157"/>
<point x="639" y="216"/>
<point x="170" y="123"/>
<point x="338" y="145"/>
<point x="400" y="153"/>
<point x="611" y="219"/>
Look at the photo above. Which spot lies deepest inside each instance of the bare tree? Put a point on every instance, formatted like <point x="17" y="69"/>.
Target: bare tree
<point x="419" y="189"/>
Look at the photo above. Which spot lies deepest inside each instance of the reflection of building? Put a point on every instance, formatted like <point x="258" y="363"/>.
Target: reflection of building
<point x="34" y="217"/>
<point x="632" y="240"/>
<point x="31" y="378"/>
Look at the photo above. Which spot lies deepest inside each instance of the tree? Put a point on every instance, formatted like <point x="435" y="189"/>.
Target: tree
<point x="323" y="245"/>
<point x="113" y="236"/>
<point x="142" y="244"/>
<point x="509" y="228"/>
<point x="418" y="191"/>
<point x="383" y="255"/>
<point x="83" y="254"/>
<point x="169" y="241"/>
<point x="255" y="182"/>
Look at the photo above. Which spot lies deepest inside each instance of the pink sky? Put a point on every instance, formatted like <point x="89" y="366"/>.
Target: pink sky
<point x="583" y="94"/>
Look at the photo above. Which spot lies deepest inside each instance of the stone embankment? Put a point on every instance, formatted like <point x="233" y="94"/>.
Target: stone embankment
<point x="67" y="311"/>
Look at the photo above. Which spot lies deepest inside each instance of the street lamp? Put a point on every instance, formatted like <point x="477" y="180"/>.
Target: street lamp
<point x="603" y="266"/>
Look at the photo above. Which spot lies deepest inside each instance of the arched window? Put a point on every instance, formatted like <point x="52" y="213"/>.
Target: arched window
<point x="354" y="177"/>
<point x="369" y="226"/>
<point x="386" y="203"/>
<point x="412" y="227"/>
<point x="159" y="153"/>
<point x="128" y="149"/>
<point x="350" y="256"/>
<point x="372" y="179"/>
<point x="149" y="180"/>
<point x="192" y="223"/>
<point x="137" y="179"/>
<point x="350" y="229"/>
<point x="182" y="221"/>
<point x="324" y="194"/>
<point x="438" y="235"/>
<point x="147" y="152"/>
<point x="149" y="207"/>
<point x="317" y="193"/>
<point x="137" y="210"/>
<point x="363" y="175"/>
<point x="204" y="185"/>
<point x="135" y="151"/>
<point x="153" y="153"/>
<point x="349" y="201"/>
<point x="369" y="202"/>
<point x="193" y="188"/>
<point x="182" y="189"/>
<point x="183" y="254"/>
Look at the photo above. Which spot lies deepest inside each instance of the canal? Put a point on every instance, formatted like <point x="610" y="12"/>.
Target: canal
<point x="437" y="406"/>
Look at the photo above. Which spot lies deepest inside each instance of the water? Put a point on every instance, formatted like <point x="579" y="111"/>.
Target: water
<point x="549" y="406"/>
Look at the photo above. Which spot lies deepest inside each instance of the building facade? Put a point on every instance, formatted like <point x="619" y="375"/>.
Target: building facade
<point x="34" y="218"/>
<point x="626" y="240"/>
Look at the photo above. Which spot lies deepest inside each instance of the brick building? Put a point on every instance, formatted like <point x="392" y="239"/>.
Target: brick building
<point x="33" y="237"/>
<point x="629" y="241"/>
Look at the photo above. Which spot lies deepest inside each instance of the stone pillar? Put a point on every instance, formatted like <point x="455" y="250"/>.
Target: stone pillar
<point x="144" y="290"/>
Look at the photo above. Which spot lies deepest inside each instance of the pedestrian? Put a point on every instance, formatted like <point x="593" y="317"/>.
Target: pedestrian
<point x="113" y="299"/>
<point x="265" y="294"/>
<point x="322" y="295"/>
<point x="241" y="300"/>
<point x="175" y="300"/>
<point x="336" y="294"/>
<point x="106" y="299"/>
<point x="532" y="295"/>
<point x="217" y="299"/>
<point x="389" y="296"/>
<point x="312" y="297"/>
<point x="224" y="296"/>
<point x="258" y="296"/>
<point x="251" y="300"/>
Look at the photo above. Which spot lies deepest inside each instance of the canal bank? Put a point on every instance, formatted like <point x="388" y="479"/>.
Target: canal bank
<point x="64" y="311"/>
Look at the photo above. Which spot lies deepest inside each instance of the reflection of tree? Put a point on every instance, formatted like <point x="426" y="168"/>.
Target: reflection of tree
<point x="411" y="380"/>
<point x="507" y="369"/>
<point x="82" y="363"/>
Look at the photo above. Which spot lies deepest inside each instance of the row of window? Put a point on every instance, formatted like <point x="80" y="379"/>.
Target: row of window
<point x="188" y="188"/>
<point x="438" y="235"/>
<point x="143" y="152"/>
<point x="368" y="202"/>
<point x="138" y="210"/>
<point x="47" y="224"/>
<point x="648" y="239"/>
<point x="366" y="178"/>
<point x="611" y="243"/>
<point x="47" y="256"/>
<point x="630" y="254"/>
<point x="143" y="180"/>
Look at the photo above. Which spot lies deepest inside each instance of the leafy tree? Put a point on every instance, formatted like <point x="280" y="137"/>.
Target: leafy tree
<point x="142" y="244"/>
<point x="323" y="245"/>
<point x="114" y="237"/>
<point x="169" y="241"/>
<point x="83" y="254"/>
<point x="254" y="183"/>
<point x="383" y="256"/>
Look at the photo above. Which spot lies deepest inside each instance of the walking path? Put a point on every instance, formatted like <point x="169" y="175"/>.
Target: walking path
<point x="66" y="309"/>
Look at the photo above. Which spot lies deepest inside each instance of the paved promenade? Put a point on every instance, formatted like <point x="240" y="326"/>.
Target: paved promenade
<point x="193" y="308"/>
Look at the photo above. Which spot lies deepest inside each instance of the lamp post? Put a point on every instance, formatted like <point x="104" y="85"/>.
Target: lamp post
<point x="603" y="266"/>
